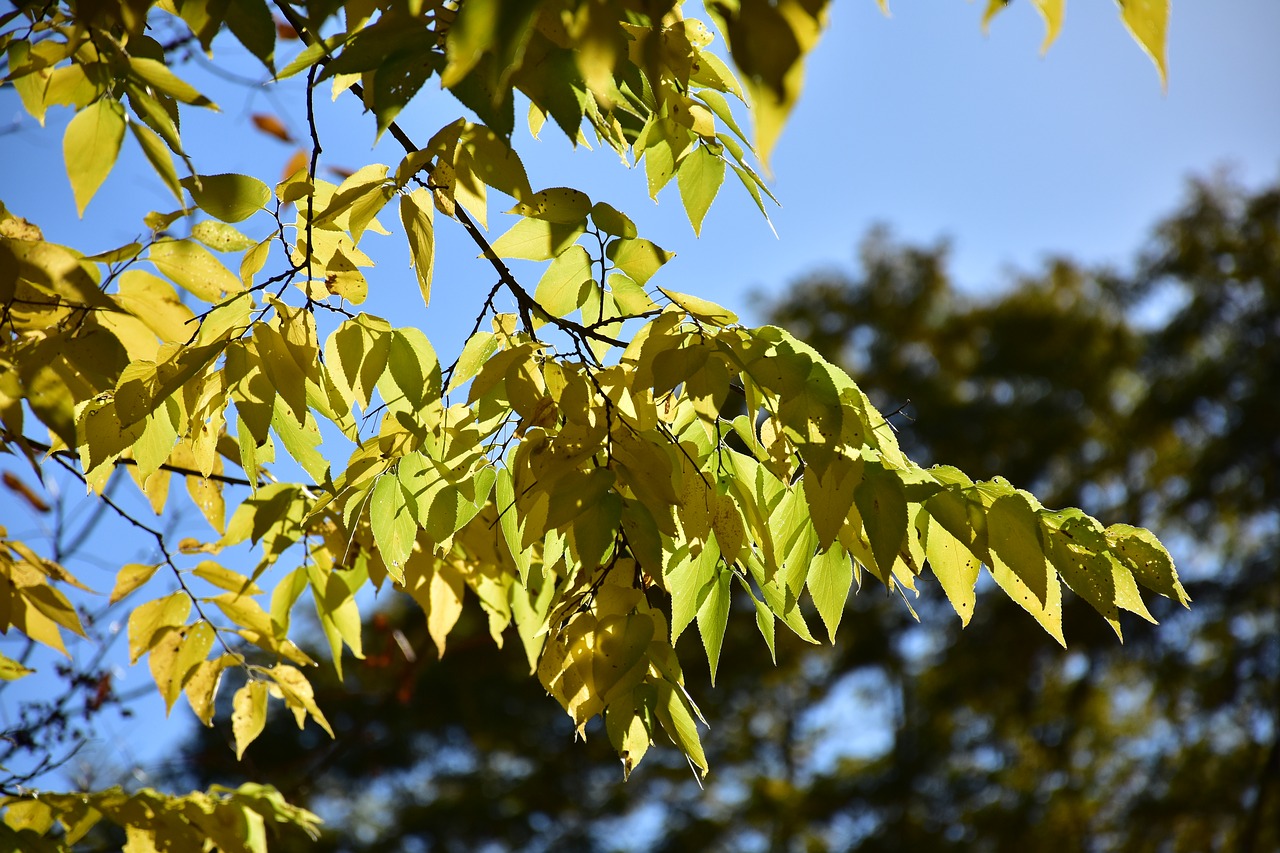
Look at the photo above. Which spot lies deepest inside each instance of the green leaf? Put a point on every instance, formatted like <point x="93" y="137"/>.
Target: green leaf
<point x="538" y="239"/>
<point x="158" y="155"/>
<point x="1020" y="564"/>
<point x="621" y="649"/>
<point x="392" y="522"/>
<point x="713" y="618"/>
<point x="764" y="618"/>
<point x="221" y="237"/>
<point x="953" y="564"/>
<point x="559" y="204"/>
<point x="91" y="145"/>
<point x="417" y="214"/>
<point x="699" y="177"/>
<point x="830" y="579"/>
<point x="478" y="349"/>
<point x="1141" y="553"/>
<point x="637" y="257"/>
<point x="629" y="296"/>
<point x="251" y="22"/>
<point x="674" y="712"/>
<point x="612" y="221"/>
<point x="413" y="371"/>
<point x="231" y="198"/>
<point x="158" y="76"/>
<point x="701" y="309"/>
<point x="356" y="356"/>
<point x="565" y="285"/>
<point x="882" y="502"/>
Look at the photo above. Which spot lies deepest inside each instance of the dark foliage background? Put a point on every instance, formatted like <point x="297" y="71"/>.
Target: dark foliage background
<point x="1148" y="396"/>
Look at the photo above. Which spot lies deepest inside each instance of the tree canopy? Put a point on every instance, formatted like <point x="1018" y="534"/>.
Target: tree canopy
<point x="905" y="734"/>
<point x="602" y="468"/>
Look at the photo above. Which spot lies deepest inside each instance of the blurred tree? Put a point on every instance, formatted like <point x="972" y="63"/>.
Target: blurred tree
<point x="1147" y="395"/>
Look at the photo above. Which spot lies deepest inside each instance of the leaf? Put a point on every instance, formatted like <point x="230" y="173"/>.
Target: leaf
<point x="829" y="581"/>
<point x="230" y="198"/>
<point x="1148" y="22"/>
<point x="221" y="237"/>
<point x="191" y="653"/>
<point x="11" y="670"/>
<point x="621" y="648"/>
<point x="953" y="564"/>
<point x="149" y="622"/>
<point x="413" y="371"/>
<point x="674" y="712"/>
<point x="224" y="578"/>
<point x="612" y="221"/>
<point x="564" y="286"/>
<point x="1051" y="11"/>
<point x="699" y="177"/>
<point x="299" y="695"/>
<point x="700" y="309"/>
<point x="192" y="266"/>
<point x="249" y="714"/>
<point x="90" y="147"/>
<point x="272" y="126"/>
<point x="883" y="505"/>
<point x="562" y="205"/>
<point x="713" y="618"/>
<point x="416" y="214"/>
<point x="1020" y="564"/>
<point x="637" y="257"/>
<point x="438" y="589"/>
<point x="159" y="157"/>
<point x="201" y="688"/>
<point x="131" y="577"/>
<point x="392" y="522"/>
<point x="1141" y="553"/>
<point x="157" y="75"/>
<point x="537" y="239"/>
<point x="478" y="349"/>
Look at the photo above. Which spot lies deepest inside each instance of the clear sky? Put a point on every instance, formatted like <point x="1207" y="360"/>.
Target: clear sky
<point x="917" y="121"/>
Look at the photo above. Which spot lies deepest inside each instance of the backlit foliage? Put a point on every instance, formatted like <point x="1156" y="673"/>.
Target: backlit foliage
<point x="604" y="467"/>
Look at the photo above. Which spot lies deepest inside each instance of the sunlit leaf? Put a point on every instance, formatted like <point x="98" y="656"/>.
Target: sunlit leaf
<point x="90" y="146"/>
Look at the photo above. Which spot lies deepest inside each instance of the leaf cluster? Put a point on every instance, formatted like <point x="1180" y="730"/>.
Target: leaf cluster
<point x="602" y="468"/>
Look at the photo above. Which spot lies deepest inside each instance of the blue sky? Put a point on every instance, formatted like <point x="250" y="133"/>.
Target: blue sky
<point x="917" y="121"/>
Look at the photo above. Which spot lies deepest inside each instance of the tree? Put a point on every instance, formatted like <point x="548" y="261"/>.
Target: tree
<point x="628" y="458"/>
<point x="1145" y="746"/>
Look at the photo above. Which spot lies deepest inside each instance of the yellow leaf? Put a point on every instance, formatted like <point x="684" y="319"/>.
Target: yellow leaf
<point x="130" y="578"/>
<point x="161" y="661"/>
<point x="11" y="670"/>
<point x="1020" y="564"/>
<point x="151" y="621"/>
<point x="1051" y="11"/>
<point x="438" y="588"/>
<point x="417" y="214"/>
<point x="202" y="686"/>
<point x="91" y="145"/>
<point x="192" y="266"/>
<point x="1148" y="22"/>
<point x="225" y="578"/>
<point x="701" y="309"/>
<point x="193" y="651"/>
<point x="558" y="204"/>
<point x="249" y="714"/>
<point x="298" y="695"/>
